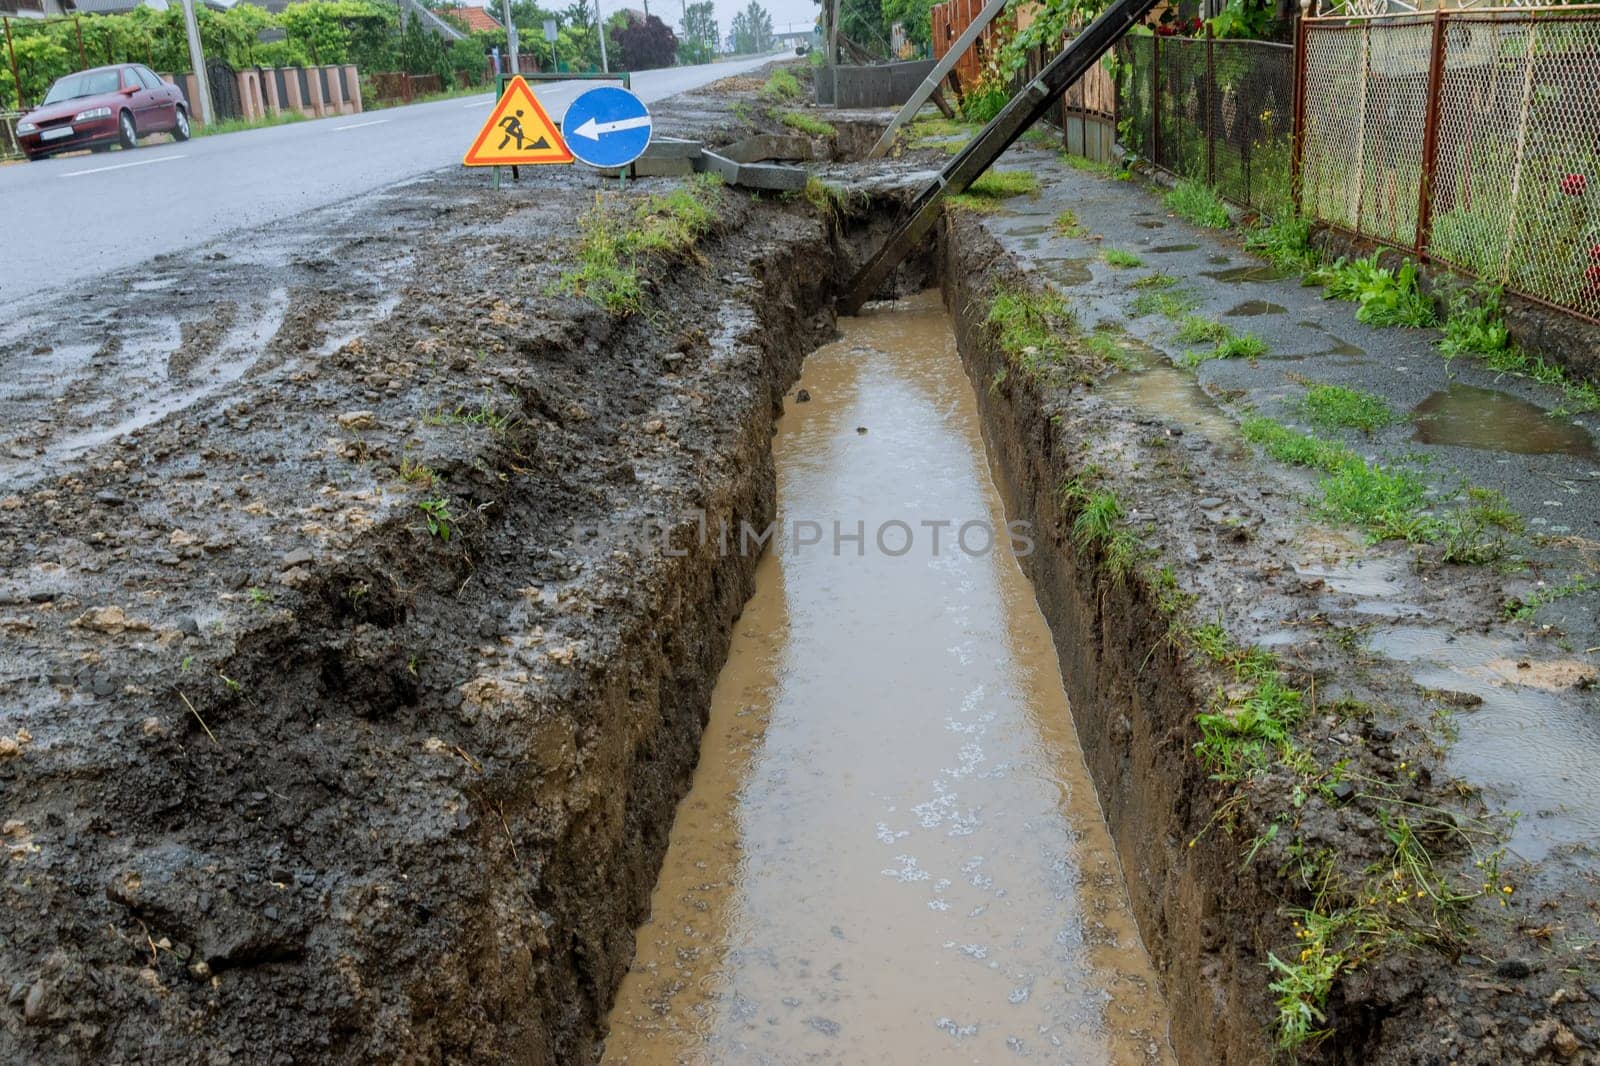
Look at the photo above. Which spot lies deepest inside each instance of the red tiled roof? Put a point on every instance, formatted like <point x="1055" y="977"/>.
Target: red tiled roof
<point x="475" y="19"/>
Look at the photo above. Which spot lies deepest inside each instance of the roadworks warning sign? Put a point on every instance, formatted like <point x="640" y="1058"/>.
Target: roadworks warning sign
<point x="518" y="133"/>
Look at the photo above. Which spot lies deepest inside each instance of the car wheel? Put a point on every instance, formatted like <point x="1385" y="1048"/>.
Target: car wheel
<point x="127" y="136"/>
<point x="180" y="126"/>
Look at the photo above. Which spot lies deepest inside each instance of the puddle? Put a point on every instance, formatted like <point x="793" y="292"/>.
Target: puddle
<point x="1219" y="260"/>
<point x="1236" y="275"/>
<point x="1160" y="389"/>
<point x="1026" y="231"/>
<point x="1471" y="417"/>
<point x="1152" y="224"/>
<point x="1343" y="347"/>
<point x="1166" y="249"/>
<point x="1069" y="272"/>
<point x="1255" y="308"/>
<point x="1530" y="744"/>
<point x="891" y="851"/>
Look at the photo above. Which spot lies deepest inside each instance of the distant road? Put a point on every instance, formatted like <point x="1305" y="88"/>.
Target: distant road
<point x="68" y="220"/>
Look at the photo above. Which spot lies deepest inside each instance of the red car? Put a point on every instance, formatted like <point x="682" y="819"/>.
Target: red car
<point x="102" y="107"/>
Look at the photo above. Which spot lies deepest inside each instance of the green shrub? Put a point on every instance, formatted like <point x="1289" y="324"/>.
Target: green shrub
<point x="1198" y="203"/>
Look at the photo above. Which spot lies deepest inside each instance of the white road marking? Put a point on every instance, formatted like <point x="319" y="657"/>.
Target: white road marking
<point x="358" y="125"/>
<point x="478" y="103"/>
<point x="124" y="166"/>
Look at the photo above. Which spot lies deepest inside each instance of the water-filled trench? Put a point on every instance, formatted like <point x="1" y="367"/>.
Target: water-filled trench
<point x="891" y="851"/>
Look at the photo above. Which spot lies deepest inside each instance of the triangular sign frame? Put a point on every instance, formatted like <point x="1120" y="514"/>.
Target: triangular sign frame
<point x="539" y="141"/>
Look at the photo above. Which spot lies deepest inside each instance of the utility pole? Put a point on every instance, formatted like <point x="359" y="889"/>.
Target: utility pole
<point x="600" y="28"/>
<point x="197" y="60"/>
<point x="511" y="36"/>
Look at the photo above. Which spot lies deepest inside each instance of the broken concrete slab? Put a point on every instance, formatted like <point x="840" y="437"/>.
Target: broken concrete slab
<point x="768" y="146"/>
<point x="752" y="175"/>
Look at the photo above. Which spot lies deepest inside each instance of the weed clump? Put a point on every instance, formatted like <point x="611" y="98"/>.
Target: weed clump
<point x="612" y="241"/>
<point x="1120" y="259"/>
<point x="993" y="186"/>
<point x="806" y="124"/>
<point x="1035" y="330"/>
<point x="1199" y="203"/>
<point x="781" y="85"/>
<point x="1336" y="407"/>
<point x="1387" y="297"/>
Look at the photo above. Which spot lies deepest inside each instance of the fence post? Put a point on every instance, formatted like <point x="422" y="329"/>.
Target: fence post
<point x="1297" y="135"/>
<point x="1430" y="136"/>
<point x="15" y="77"/>
<point x="1155" y="99"/>
<point x="1211" y="108"/>
<point x="1521" y="153"/>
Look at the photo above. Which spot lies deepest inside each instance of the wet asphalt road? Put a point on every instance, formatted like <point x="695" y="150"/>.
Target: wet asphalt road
<point x="74" y="218"/>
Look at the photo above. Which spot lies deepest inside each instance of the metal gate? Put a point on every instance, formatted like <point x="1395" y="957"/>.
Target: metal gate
<point x="224" y="82"/>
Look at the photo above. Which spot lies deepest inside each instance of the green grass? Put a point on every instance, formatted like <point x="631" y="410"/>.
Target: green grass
<point x="781" y="85"/>
<point x="1225" y="343"/>
<point x="1120" y="259"/>
<point x="1035" y="330"/>
<point x="612" y="241"/>
<point x="1336" y="407"/>
<point x="1171" y="303"/>
<point x="1103" y="345"/>
<point x="993" y="186"/>
<point x="1099" y="524"/>
<point x="1286" y="241"/>
<point x="1476" y="327"/>
<point x="1196" y="330"/>
<point x="939" y="126"/>
<point x="239" y="125"/>
<point x="1157" y="280"/>
<point x="1523" y="610"/>
<point x="1066" y="224"/>
<point x="806" y="124"/>
<point x="1387" y="502"/>
<point x="1198" y="203"/>
<point x="1090" y="166"/>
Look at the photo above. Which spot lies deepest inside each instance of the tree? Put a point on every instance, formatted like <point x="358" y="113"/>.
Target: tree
<point x="752" y="29"/>
<point x="699" y="41"/>
<point x="645" y="44"/>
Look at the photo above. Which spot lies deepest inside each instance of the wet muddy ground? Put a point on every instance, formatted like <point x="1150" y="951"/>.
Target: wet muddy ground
<point x="297" y="768"/>
<point x="892" y="849"/>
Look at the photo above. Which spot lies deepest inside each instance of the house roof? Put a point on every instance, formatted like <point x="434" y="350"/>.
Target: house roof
<point x="475" y="19"/>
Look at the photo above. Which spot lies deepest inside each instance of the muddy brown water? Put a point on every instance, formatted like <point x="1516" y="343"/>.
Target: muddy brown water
<point x="892" y="850"/>
<point x="1496" y="421"/>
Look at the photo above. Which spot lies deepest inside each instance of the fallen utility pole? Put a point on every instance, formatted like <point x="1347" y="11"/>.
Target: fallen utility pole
<point x="1026" y="108"/>
<point x="930" y="84"/>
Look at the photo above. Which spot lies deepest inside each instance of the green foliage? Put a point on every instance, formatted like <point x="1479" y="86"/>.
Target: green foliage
<point x="993" y="186"/>
<point x="1387" y="297"/>
<point x="1157" y="280"/>
<point x="780" y="86"/>
<point x="697" y="36"/>
<point x="806" y="124"/>
<point x="1197" y="330"/>
<point x="1286" y="241"/>
<point x="436" y="512"/>
<point x="1120" y="259"/>
<point x="751" y="29"/>
<point x="1103" y="345"/>
<point x="1523" y="610"/>
<point x="1475" y="325"/>
<point x="612" y="242"/>
<point x="984" y="101"/>
<point x="1099" y="524"/>
<point x="1172" y="303"/>
<point x="1198" y="203"/>
<point x="1066" y="224"/>
<point x="1386" y="502"/>
<point x="1034" y="329"/>
<point x="1336" y="407"/>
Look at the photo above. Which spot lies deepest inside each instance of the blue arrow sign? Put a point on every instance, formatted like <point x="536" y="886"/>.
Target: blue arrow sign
<point x="607" y="127"/>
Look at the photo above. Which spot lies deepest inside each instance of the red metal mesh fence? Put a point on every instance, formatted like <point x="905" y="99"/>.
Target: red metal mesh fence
<point x="1470" y="137"/>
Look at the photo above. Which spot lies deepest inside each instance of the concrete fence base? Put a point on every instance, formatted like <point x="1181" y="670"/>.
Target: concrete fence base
<point x="880" y="85"/>
<point x="266" y="92"/>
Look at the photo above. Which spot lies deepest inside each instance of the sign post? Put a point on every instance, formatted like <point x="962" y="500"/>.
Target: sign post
<point x="550" y="33"/>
